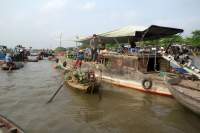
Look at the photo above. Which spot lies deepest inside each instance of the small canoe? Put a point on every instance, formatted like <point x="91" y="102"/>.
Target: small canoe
<point x="186" y="92"/>
<point x="18" y="65"/>
<point x="87" y="88"/>
<point x="7" y="126"/>
<point x="32" y="59"/>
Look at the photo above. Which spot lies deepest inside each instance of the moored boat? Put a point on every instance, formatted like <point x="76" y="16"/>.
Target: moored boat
<point x="7" y="126"/>
<point x="17" y="65"/>
<point x="2" y="54"/>
<point x="32" y="59"/>
<point x="135" y="66"/>
<point x="186" y="92"/>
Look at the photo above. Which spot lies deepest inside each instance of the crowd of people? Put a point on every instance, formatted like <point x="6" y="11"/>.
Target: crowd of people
<point x="97" y="47"/>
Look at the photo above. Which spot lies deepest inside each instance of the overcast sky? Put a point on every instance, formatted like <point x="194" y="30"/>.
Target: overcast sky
<point x="38" y="23"/>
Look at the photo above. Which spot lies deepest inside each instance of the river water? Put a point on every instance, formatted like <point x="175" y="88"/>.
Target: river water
<point x="23" y="96"/>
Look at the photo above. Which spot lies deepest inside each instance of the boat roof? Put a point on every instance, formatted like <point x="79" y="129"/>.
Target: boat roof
<point x="2" y="46"/>
<point x="134" y="33"/>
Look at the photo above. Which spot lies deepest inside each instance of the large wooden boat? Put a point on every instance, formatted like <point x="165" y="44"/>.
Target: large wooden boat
<point x="186" y="92"/>
<point x="135" y="71"/>
<point x="17" y="65"/>
<point x="138" y="69"/>
<point x="7" y="126"/>
<point x="129" y="72"/>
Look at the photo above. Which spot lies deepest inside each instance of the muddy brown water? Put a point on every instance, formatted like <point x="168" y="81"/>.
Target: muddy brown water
<point x="24" y="93"/>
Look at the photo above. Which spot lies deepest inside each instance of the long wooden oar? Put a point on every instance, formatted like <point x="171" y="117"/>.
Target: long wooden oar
<point x="100" y="90"/>
<point x="51" y="99"/>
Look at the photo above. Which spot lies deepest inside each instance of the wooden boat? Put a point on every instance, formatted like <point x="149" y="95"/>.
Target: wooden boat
<point x="7" y="126"/>
<point x="2" y="54"/>
<point x="32" y="59"/>
<point x="186" y="92"/>
<point x="87" y="88"/>
<point x="17" y="65"/>
<point x="88" y="84"/>
<point x="136" y="68"/>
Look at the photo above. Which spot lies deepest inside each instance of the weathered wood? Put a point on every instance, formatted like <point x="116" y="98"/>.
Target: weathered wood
<point x="186" y="92"/>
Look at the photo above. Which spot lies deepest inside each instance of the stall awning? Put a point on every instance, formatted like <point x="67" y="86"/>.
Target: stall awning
<point x="134" y="33"/>
<point x="120" y="35"/>
<point x="156" y="32"/>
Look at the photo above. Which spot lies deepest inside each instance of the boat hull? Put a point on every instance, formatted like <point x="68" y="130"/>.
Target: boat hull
<point x="83" y="87"/>
<point x="188" y="97"/>
<point x="158" y="85"/>
<point x="136" y="85"/>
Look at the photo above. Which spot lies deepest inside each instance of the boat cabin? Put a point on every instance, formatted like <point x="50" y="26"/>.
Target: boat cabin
<point x="143" y="59"/>
<point x="145" y="63"/>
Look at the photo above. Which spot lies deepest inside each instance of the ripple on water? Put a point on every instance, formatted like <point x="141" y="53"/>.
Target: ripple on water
<point x="24" y="93"/>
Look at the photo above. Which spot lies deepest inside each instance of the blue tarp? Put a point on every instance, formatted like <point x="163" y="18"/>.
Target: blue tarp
<point x="181" y="70"/>
<point x="2" y="56"/>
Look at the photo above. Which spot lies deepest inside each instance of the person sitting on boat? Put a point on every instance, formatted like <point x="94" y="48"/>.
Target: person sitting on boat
<point x="9" y="61"/>
<point x="80" y="58"/>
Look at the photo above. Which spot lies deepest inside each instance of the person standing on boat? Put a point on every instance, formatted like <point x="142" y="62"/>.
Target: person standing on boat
<point x="9" y="61"/>
<point x="94" y="45"/>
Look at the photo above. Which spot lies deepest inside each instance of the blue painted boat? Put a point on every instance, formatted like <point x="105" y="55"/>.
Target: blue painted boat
<point x="2" y="54"/>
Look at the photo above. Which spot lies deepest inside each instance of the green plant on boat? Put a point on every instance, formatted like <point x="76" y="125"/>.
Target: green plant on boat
<point x="78" y="75"/>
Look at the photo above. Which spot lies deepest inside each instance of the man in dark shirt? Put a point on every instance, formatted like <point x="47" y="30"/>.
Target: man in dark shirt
<point x="93" y="45"/>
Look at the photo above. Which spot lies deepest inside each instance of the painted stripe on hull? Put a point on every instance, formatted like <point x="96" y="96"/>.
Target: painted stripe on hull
<point x="136" y="85"/>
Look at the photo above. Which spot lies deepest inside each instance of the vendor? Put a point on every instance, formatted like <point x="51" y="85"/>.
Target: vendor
<point x="94" y="42"/>
<point x="9" y="61"/>
<point x="79" y="59"/>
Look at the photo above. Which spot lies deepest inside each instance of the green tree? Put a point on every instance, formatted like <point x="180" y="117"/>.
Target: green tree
<point x="84" y="45"/>
<point x="166" y="41"/>
<point x="194" y="39"/>
<point x="60" y="49"/>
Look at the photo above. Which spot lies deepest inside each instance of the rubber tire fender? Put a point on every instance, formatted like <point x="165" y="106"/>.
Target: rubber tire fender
<point x="144" y="81"/>
<point x="64" y="63"/>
